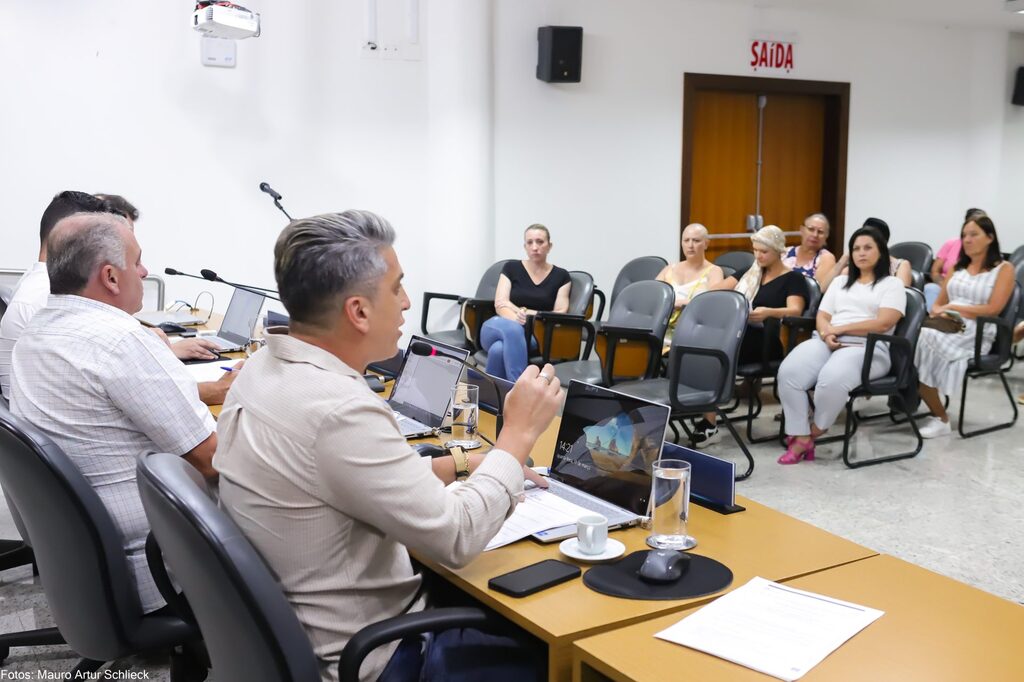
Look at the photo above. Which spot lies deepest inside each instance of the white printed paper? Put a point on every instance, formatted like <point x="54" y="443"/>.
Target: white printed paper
<point x="774" y="629"/>
<point x="539" y="511"/>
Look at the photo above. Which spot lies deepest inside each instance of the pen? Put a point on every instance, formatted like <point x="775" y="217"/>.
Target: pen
<point x="230" y="369"/>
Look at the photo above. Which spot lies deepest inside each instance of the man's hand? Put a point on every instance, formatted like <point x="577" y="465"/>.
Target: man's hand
<point x="215" y="392"/>
<point x="194" y="349"/>
<point x="529" y="408"/>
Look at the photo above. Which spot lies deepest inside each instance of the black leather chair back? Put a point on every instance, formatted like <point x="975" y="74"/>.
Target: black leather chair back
<point x="78" y="549"/>
<point x="918" y="253"/>
<point x="250" y="629"/>
<point x="489" y="280"/>
<point x="1002" y="347"/>
<point x="644" y="305"/>
<point x="738" y="261"/>
<point x="917" y="280"/>
<point x="909" y="327"/>
<point x="1019" y="274"/>
<point x="813" y="296"/>
<point x="1017" y="257"/>
<point x="637" y="270"/>
<point x="581" y="293"/>
<point x="712" y="320"/>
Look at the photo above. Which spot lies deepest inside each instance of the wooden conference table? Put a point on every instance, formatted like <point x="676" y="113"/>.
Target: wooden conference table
<point x="934" y="628"/>
<point x="757" y="542"/>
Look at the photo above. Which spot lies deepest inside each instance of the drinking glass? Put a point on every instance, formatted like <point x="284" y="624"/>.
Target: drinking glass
<point x="670" y="505"/>
<point x="465" y="410"/>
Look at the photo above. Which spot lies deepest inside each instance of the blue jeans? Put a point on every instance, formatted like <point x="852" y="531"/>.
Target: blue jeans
<point x="931" y="292"/>
<point x="465" y="655"/>
<point x="505" y="341"/>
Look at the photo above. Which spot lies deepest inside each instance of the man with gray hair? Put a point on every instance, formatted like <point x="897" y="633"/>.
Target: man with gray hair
<point x="99" y="385"/>
<point x="314" y="470"/>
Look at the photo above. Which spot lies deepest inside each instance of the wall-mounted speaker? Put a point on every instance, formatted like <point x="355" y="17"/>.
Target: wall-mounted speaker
<point x="559" y="54"/>
<point x="1018" y="88"/>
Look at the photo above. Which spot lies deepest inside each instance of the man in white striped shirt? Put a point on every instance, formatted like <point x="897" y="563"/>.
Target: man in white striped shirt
<point x="101" y="386"/>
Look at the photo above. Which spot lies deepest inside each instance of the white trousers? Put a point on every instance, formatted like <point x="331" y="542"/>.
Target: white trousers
<point x="832" y="375"/>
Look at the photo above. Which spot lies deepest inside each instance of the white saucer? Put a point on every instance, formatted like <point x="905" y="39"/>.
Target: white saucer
<point x="613" y="550"/>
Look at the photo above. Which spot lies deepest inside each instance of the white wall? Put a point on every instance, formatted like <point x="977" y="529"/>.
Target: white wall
<point x="600" y="162"/>
<point x="99" y="103"/>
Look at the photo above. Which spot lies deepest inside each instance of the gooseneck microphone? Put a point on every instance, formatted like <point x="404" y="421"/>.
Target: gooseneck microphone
<point x="212" y="276"/>
<point x="426" y="350"/>
<point x="267" y="189"/>
<point x="172" y="271"/>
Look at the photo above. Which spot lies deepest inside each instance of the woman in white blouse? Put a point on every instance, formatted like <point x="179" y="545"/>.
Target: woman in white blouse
<point x="866" y="300"/>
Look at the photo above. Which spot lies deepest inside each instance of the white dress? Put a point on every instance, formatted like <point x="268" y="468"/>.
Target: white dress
<point x="942" y="358"/>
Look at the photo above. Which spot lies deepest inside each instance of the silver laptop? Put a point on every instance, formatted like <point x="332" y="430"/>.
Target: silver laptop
<point x="606" y="444"/>
<point x="423" y="387"/>
<point x="155" y="318"/>
<point x="239" y="323"/>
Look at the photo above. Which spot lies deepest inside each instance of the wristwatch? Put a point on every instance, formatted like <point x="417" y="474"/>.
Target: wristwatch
<point x="461" y="458"/>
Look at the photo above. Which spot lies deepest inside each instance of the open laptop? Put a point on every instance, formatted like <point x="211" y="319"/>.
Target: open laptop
<point x="240" y="319"/>
<point x="423" y="387"/>
<point x="606" y="444"/>
<point x="155" y="318"/>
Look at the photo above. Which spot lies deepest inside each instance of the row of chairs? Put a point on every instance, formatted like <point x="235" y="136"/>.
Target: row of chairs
<point x="231" y="600"/>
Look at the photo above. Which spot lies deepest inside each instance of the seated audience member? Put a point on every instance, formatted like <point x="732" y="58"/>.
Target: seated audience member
<point x="99" y="385"/>
<point x="864" y="301"/>
<point x="524" y="288"/>
<point x="944" y="261"/>
<point x="33" y="289"/>
<point x="691" y="275"/>
<point x="317" y="475"/>
<point x="810" y="257"/>
<point x="772" y="290"/>
<point x="981" y="284"/>
<point x="898" y="267"/>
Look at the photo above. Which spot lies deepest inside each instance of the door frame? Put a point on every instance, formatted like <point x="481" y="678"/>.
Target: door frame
<point x="837" y="125"/>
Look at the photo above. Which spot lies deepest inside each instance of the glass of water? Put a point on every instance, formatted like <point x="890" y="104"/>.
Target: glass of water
<point x="670" y="505"/>
<point x="465" y="410"/>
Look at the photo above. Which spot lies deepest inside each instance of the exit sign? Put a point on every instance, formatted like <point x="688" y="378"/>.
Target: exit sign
<point x="771" y="55"/>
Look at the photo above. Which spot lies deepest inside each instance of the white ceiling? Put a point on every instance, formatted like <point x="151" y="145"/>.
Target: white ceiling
<point x="973" y="13"/>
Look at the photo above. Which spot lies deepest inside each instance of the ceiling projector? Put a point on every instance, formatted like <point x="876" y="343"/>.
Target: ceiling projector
<point x="225" y="20"/>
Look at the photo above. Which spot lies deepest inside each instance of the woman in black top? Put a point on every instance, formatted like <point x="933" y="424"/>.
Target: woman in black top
<point x="524" y="288"/>
<point x="772" y="291"/>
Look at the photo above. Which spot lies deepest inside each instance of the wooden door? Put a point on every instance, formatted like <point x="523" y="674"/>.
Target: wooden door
<point x="803" y="155"/>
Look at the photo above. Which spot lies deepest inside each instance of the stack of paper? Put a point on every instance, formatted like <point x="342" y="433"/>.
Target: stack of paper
<point x="539" y="511"/>
<point x="771" y="628"/>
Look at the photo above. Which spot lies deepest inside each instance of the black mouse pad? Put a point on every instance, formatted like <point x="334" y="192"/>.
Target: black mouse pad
<point x="621" y="579"/>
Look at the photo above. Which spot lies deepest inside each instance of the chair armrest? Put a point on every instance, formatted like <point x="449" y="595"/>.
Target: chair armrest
<point x="177" y="601"/>
<point x="430" y="620"/>
<point x="549" y="320"/>
<point x="615" y="334"/>
<point x="897" y="342"/>
<point x="485" y="310"/>
<point x="429" y="296"/>
<point x="979" y="333"/>
<point x="675" y="359"/>
<point x="600" y="303"/>
<point x="800" y="322"/>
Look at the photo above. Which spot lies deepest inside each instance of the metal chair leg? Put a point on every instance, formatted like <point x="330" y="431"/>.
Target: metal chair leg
<point x="987" y="429"/>
<point x="851" y="430"/>
<point x="743" y="447"/>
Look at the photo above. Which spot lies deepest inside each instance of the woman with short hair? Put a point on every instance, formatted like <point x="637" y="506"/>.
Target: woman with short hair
<point x="692" y="275"/>
<point x="810" y="257"/>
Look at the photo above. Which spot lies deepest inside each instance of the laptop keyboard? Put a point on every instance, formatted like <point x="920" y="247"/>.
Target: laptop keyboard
<point x="408" y="425"/>
<point x="615" y="515"/>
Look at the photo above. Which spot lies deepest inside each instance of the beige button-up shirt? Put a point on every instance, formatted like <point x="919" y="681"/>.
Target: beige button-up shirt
<point x="315" y="472"/>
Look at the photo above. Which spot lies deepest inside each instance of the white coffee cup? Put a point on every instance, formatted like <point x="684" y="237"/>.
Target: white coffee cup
<point x="591" y="533"/>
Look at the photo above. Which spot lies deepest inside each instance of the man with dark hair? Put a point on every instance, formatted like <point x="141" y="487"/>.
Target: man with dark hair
<point x="317" y="475"/>
<point x="118" y="204"/>
<point x="99" y="385"/>
<point x="33" y="288"/>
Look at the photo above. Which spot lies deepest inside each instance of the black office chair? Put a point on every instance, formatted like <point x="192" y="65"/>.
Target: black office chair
<point x="629" y="344"/>
<point x="636" y="270"/>
<point x="917" y="280"/>
<point x="1017" y="257"/>
<point x="251" y="631"/>
<point x="478" y="305"/>
<point x="995" y="361"/>
<point x="919" y="254"/>
<point x="81" y="559"/>
<point x="737" y="261"/>
<point x="899" y="384"/>
<point x="559" y="336"/>
<point x="767" y="367"/>
<point x="702" y="363"/>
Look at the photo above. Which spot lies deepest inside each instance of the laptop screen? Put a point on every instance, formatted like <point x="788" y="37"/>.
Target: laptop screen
<point x="241" y="317"/>
<point x="423" y="387"/>
<point x="607" y="443"/>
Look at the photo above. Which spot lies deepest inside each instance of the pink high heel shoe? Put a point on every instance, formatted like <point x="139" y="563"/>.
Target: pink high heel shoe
<point x="791" y="456"/>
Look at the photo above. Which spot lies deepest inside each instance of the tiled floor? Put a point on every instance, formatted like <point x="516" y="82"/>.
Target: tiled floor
<point x="956" y="509"/>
